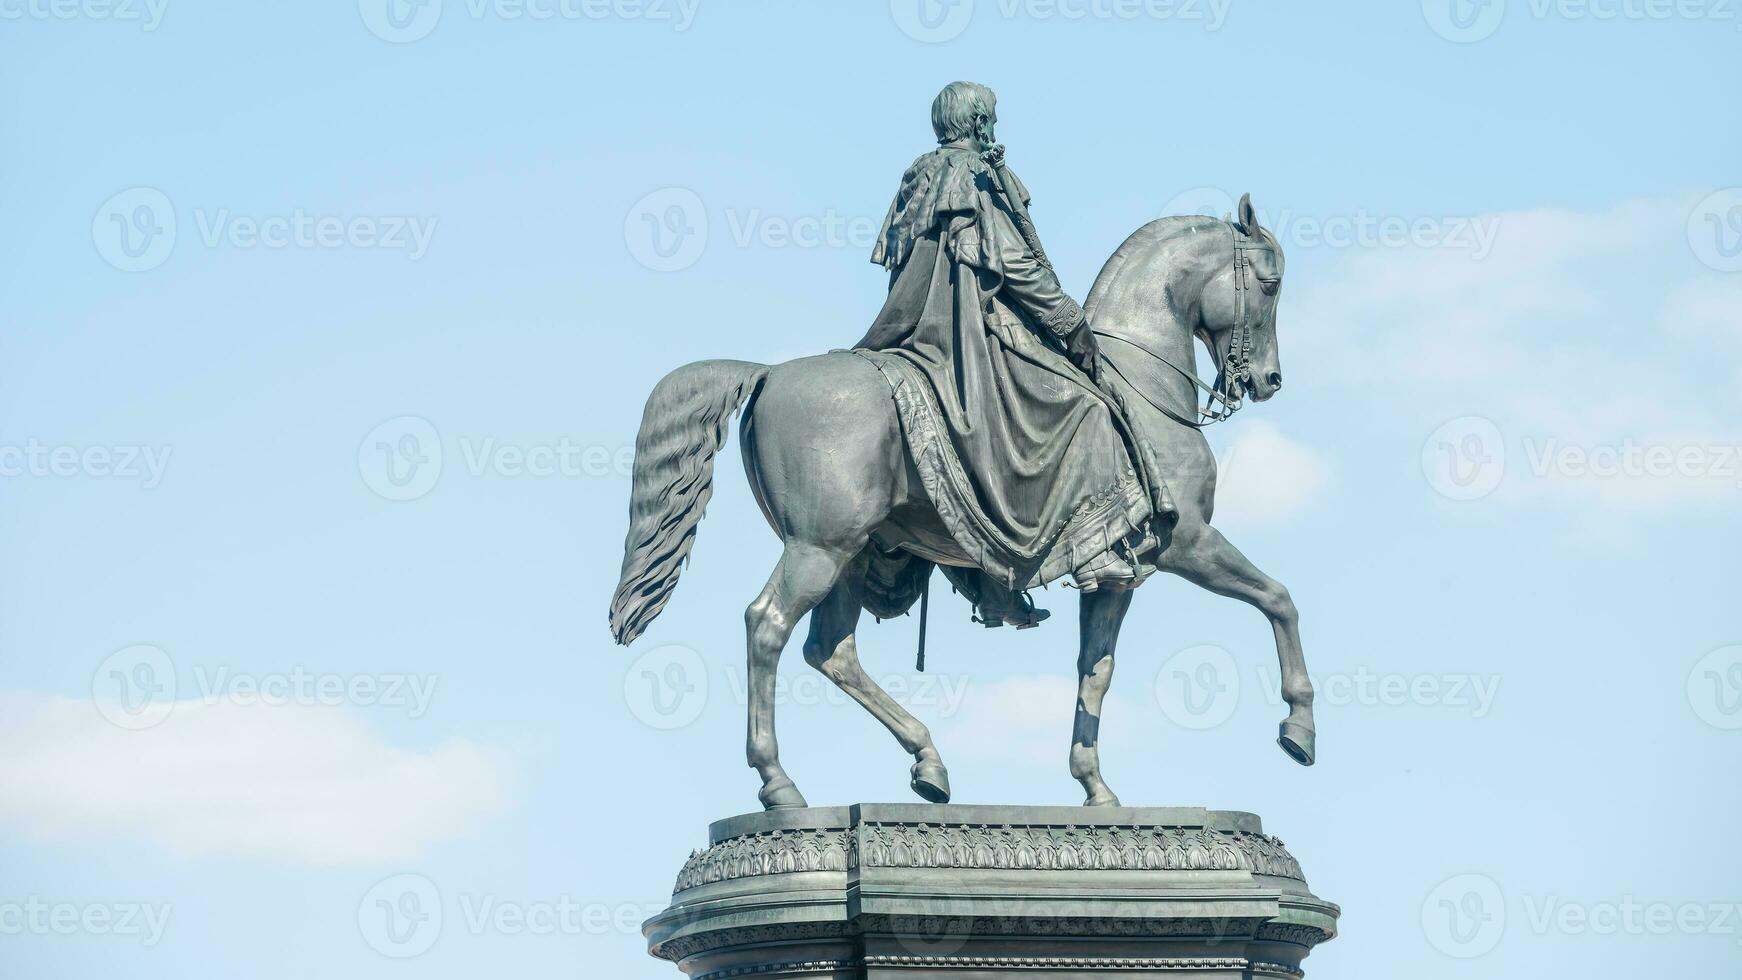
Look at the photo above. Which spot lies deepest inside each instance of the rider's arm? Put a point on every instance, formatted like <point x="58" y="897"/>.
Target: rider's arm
<point x="1031" y="285"/>
<point x="1035" y="288"/>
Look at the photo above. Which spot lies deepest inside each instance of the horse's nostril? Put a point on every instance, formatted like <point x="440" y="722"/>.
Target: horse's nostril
<point x="1275" y="379"/>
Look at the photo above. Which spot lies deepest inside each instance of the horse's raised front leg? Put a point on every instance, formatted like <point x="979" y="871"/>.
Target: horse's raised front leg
<point x="833" y="650"/>
<point x="803" y="577"/>
<point x="1100" y="613"/>
<point x="1202" y="556"/>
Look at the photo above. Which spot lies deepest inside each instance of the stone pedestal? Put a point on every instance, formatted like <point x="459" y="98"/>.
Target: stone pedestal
<point x="911" y="891"/>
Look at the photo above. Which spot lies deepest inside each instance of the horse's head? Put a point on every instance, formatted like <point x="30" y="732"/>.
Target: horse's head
<point x="1194" y="276"/>
<point x="1237" y="308"/>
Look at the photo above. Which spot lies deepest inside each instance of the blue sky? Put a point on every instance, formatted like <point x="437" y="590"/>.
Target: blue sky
<point x="328" y="327"/>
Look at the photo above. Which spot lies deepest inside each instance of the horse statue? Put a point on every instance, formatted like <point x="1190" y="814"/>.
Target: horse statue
<point x="828" y="464"/>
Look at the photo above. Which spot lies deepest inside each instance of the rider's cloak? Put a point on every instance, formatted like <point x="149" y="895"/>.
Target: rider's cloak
<point x="1027" y="462"/>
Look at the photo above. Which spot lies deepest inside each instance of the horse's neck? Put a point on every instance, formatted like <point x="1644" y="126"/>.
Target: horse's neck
<point x="1148" y="326"/>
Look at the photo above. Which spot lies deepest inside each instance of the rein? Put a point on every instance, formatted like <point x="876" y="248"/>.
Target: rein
<point x="1236" y="365"/>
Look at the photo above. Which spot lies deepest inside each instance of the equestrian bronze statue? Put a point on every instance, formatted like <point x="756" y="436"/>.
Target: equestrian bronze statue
<point x="986" y="425"/>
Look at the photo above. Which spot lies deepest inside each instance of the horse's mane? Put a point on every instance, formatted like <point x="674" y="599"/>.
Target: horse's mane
<point x="1142" y="242"/>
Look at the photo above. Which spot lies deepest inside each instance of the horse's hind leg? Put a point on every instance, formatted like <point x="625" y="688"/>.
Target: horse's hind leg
<point x="833" y="649"/>
<point x="805" y="575"/>
<point x="822" y="447"/>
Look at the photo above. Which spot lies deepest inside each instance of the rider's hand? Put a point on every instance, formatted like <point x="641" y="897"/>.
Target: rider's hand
<point x="1085" y="351"/>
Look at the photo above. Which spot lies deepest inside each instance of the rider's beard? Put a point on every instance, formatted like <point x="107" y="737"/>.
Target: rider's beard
<point x="983" y="131"/>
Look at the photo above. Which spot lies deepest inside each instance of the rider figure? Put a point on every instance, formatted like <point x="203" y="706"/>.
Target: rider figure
<point x="976" y="307"/>
<point x="963" y="116"/>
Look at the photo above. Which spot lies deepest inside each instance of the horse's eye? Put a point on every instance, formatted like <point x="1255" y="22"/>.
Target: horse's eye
<point x="1270" y="285"/>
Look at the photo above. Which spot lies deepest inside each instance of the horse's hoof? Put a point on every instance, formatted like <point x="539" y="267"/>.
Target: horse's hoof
<point x="1102" y="799"/>
<point x="781" y="794"/>
<point x="1298" y="741"/>
<point x="931" y="781"/>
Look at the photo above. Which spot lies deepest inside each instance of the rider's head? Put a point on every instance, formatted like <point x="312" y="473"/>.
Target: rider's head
<point x="964" y="110"/>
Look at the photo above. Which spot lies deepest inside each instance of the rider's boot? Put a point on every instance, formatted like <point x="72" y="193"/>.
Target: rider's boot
<point x="999" y="605"/>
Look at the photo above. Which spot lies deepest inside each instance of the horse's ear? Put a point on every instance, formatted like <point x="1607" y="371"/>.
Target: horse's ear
<point x="1248" y="217"/>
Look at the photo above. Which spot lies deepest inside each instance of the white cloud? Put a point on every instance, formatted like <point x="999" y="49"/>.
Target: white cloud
<point x="1705" y="313"/>
<point x="291" y="783"/>
<point x="1264" y="477"/>
<point x="1581" y="335"/>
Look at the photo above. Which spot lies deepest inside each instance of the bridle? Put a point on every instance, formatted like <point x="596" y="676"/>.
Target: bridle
<point x="1219" y="403"/>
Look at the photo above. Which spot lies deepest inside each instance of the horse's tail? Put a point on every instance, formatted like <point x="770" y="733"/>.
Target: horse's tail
<point x="682" y="428"/>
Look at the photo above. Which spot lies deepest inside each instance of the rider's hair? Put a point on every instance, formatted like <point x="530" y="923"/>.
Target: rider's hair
<point x="958" y="110"/>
